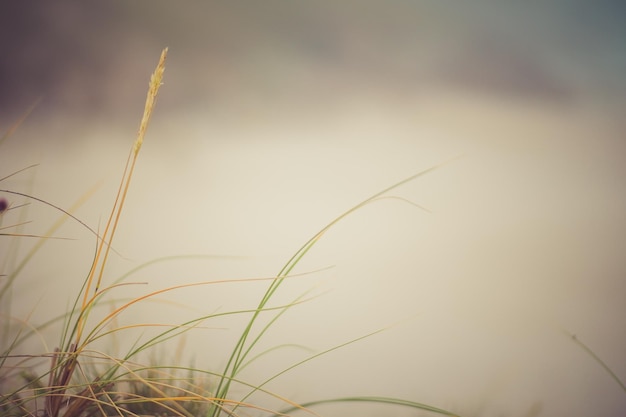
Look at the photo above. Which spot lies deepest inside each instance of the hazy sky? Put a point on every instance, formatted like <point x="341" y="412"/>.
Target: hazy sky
<point x="275" y="117"/>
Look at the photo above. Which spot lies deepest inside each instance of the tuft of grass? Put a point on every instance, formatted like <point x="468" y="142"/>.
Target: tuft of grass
<point x="77" y="380"/>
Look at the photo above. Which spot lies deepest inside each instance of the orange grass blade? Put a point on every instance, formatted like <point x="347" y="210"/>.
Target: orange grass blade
<point x="155" y="83"/>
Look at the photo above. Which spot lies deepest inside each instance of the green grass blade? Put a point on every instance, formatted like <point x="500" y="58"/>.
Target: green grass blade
<point x="373" y="399"/>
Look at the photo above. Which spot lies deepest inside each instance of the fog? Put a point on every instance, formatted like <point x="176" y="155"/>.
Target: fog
<point x="277" y="117"/>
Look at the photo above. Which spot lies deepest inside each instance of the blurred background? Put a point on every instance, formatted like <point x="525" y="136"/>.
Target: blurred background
<point x="276" y="117"/>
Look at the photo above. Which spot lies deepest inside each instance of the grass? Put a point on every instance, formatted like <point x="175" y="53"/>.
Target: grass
<point x="77" y="379"/>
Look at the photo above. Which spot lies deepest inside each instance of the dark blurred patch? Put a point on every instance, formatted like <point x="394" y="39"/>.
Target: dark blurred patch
<point x="48" y="46"/>
<point x="504" y="70"/>
<point x="85" y="57"/>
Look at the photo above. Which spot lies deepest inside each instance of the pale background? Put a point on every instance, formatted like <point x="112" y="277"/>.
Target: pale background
<point x="276" y="117"/>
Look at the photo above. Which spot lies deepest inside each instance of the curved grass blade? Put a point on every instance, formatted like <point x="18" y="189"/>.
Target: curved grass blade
<point x="240" y="351"/>
<point x="599" y="361"/>
<point x="377" y="400"/>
